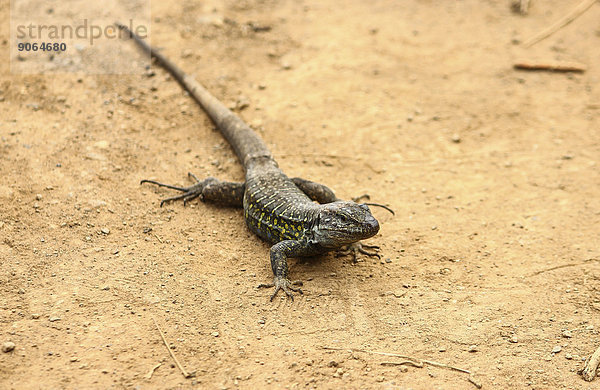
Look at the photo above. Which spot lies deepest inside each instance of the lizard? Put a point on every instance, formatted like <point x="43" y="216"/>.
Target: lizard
<point x="298" y="217"/>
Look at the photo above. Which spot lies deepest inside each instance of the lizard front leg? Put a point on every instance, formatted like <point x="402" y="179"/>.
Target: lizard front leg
<point x="209" y="190"/>
<point x="356" y="248"/>
<point x="279" y="254"/>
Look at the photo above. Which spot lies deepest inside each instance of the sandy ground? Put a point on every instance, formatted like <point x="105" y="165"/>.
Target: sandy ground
<point x="491" y="264"/>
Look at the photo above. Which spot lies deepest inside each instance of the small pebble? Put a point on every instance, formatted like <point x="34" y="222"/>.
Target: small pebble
<point x="35" y="316"/>
<point x="8" y="346"/>
<point x="242" y="103"/>
<point x="105" y="230"/>
<point x="215" y="334"/>
<point x="54" y="319"/>
<point x="514" y="339"/>
<point x="473" y="348"/>
<point x="455" y="138"/>
<point x="103" y="144"/>
<point x="556" y="349"/>
<point x="567" y="334"/>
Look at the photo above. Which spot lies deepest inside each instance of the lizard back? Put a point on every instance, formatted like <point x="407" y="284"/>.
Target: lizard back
<point x="274" y="208"/>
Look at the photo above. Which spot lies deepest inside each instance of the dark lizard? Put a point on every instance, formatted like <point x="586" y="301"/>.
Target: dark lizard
<point x="278" y="209"/>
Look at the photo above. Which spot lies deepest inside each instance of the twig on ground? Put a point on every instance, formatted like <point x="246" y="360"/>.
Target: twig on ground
<point x="151" y="372"/>
<point x="553" y="66"/>
<point x="568" y="18"/>
<point x="158" y="238"/>
<point x="590" y="367"/>
<point x="475" y="382"/>
<point x="562" y="266"/>
<point x="416" y="360"/>
<point x="402" y="363"/>
<point x="162" y="336"/>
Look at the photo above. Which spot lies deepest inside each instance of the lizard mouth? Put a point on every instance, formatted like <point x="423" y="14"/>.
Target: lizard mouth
<point x="370" y="227"/>
<point x="366" y="229"/>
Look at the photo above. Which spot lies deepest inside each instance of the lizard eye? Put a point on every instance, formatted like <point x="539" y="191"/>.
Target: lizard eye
<point x="344" y="218"/>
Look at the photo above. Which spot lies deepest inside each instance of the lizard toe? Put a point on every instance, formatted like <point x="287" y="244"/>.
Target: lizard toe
<point x="358" y="248"/>
<point x="285" y="285"/>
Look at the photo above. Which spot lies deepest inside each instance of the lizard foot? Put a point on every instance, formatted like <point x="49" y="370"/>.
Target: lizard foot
<point x="356" y="248"/>
<point x="189" y="193"/>
<point x="283" y="284"/>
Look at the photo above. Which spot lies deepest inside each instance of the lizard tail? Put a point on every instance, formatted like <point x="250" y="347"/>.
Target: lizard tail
<point x="244" y="141"/>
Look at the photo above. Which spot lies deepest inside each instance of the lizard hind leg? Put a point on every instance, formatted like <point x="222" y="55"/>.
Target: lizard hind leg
<point x="315" y="191"/>
<point x="208" y="190"/>
<point x="323" y="194"/>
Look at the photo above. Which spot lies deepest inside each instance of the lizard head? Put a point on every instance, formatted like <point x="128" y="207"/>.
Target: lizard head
<point x="341" y="223"/>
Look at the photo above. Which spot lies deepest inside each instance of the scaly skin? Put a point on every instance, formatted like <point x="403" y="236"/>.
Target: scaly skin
<point x="278" y="209"/>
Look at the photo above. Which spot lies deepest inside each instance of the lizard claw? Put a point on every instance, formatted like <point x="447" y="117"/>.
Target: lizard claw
<point x="356" y="248"/>
<point x="188" y="193"/>
<point x="283" y="284"/>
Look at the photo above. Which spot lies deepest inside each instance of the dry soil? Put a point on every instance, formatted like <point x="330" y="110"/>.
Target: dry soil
<point x="491" y="263"/>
